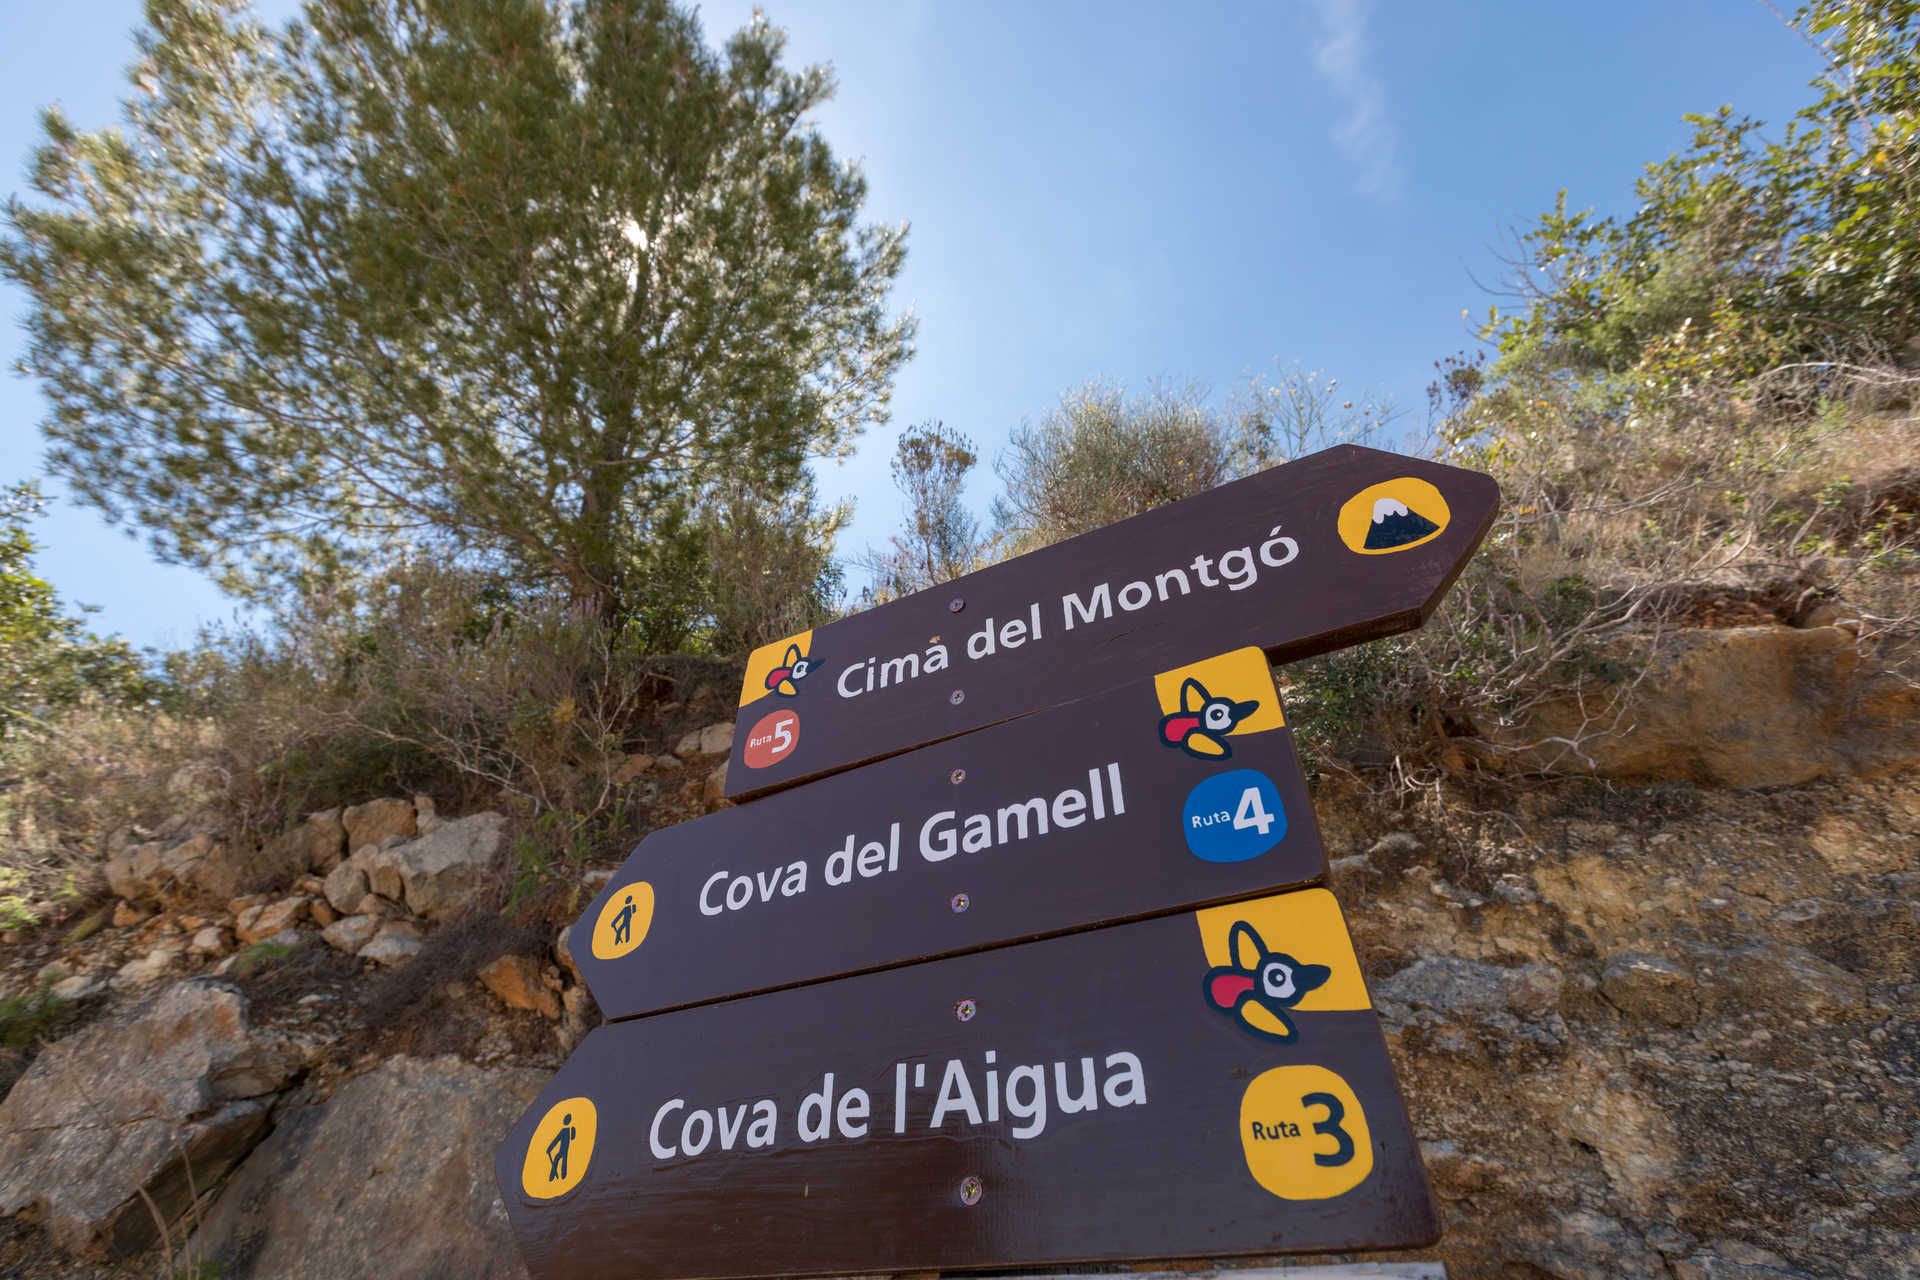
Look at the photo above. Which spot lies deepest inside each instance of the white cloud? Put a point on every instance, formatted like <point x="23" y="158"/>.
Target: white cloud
<point x="1363" y="130"/>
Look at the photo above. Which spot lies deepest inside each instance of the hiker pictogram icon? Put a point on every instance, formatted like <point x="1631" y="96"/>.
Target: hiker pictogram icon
<point x="560" y="1149"/>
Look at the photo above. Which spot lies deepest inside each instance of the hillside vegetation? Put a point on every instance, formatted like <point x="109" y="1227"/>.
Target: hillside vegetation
<point x="1627" y="829"/>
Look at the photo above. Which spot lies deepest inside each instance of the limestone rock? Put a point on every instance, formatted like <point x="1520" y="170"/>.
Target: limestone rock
<point x="210" y="941"/>
<point x="147" y="969"/>
<point x="396" y="943"/>
<point x="126" y="915"/>
<point x="350" y="933"/>
<point x="374" y="821"/>
<point x="563" y="952"/>
<point x="629" y="769"/>
<point x="174" y="870"/>
<point x="346" y="884"/>
<point x="271" y="918"/>
<point x="322" y="912"/>
<point x="316" y="844"/>
<point x="126" y="1105"/>
<point x="391" y="1176"/>
<point x="1648" y="987"/>
<point x="705" y="744"/>
<point x="378" y="907"/>
<point x="440" y="875"/>
<point x="714" y="789"/>
<point x="73" y="990"/>
<point x="516" y="981"/>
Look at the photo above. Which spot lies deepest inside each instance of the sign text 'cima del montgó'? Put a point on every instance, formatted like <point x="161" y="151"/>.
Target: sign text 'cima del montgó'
<point x="1340" y="547"/>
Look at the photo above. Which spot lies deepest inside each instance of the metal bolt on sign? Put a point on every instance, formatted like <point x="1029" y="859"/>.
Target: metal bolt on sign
<point x="971" y="1189"/>
<point x="965" y="1009"/>
<point x="956" y="604"/>
<point x="957" y="697"/>
<point x="961" y="902"/>
<point x="957" y="777"/>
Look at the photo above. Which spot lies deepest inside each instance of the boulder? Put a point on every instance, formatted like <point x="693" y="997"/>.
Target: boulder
<point x="374" y="821"/>
<point x="440" y="875"/>
<point x="391" y="1176"/>
<point x="317" y="844"/>
<point x="177" y="870"/>
<point x="519" y="983"/>
<point x="350" y="933"/>
<point x="396" y="942"/>
<point x="126" y="915"/>
<point x="345" y="885"/>
<point x="211" y="940"/>
<point x="144" y="971"/>
<point x="179" y="1084"/>
<point x="714" y="790"/>
<point x="1650" y="988"/>
<point x="268" y="919"/>
<point x="77" y="988"/>
<point x="704" y="744"/>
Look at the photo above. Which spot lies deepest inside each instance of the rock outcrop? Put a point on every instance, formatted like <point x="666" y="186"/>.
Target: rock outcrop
<point x="439" y="875"/>
<point x="391" y="1176"/>
<point x="162" y="1101"/>
<point x="1734" y="707"/>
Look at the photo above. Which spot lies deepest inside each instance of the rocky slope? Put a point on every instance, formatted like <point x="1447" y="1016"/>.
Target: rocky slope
<point x="1654" y="1022"/>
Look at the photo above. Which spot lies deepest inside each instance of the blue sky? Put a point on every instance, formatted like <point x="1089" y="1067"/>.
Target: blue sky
<point x="1130" y="192"/>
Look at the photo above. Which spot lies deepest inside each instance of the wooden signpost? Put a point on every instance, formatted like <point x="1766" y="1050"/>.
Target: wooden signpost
<point x="1207" y="1084"/>
<point x="1344" y="546"/>
<point x="1080" y="815"/>
<point x="1040" y="981"/>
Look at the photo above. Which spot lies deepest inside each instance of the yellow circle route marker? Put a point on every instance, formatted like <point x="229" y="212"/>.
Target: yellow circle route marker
<point x="624" y="921"/>
<point x="560" y="1149"/>
<point x="1394" y="515"/>
<point x="1304" y="1134"/>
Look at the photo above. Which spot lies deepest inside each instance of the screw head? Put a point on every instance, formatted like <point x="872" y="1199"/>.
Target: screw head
<point x="957" y="697"/>
<point x="971" y="1189"/>
<point x="965" y="1009"/>
<point x="956" y="604"/>
<point x="957" y="777"/>
<point x="961" y="902"/>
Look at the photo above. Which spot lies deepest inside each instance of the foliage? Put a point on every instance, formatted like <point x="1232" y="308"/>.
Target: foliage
<point x="48" y="660"/>
<point x="27" y="1018"/>
<point x="265" y="951"/>
<point x="1747" y="254"/>
<point x="1101" y="456"/>
<point x="523" y="284"/>
<point x="942" y="538"/>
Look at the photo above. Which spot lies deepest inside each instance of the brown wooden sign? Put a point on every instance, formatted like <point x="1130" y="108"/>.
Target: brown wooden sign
<point x="1204" y="1084"/>
<point x="1340" y="547"/>
<point x="1163" y="795"/>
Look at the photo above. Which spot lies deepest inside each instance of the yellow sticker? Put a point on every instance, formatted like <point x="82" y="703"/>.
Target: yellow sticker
<point x="1394" y="515"/>
<point x="1272" y="957"/>
<point x="1304" y="1133"/>
<point x="624" y="921"/>
<point x="778" y="670"/>
<point x="1204" y="703"/>
<point x="560" y="1149"/>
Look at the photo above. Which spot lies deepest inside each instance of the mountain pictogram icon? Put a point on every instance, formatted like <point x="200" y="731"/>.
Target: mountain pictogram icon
<point x="1395" y="525"/>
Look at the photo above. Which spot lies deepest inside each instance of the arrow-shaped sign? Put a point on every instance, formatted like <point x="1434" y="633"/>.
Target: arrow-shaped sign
<point x="1195" y="1085"/>
<point x="1340" y="547"/>
<point x="1163" y="795"/>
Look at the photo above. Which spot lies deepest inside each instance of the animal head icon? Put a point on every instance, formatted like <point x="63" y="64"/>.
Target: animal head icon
<point x="1259" y="985"/>
<point x="785" y="679"/>
<point x="1201" y="725"/>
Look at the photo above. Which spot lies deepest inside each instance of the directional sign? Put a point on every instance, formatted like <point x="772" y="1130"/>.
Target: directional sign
<point x="1340" y="547"/>
<point x="1203" y="1084"/>
<point x="1162" y="795"/>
